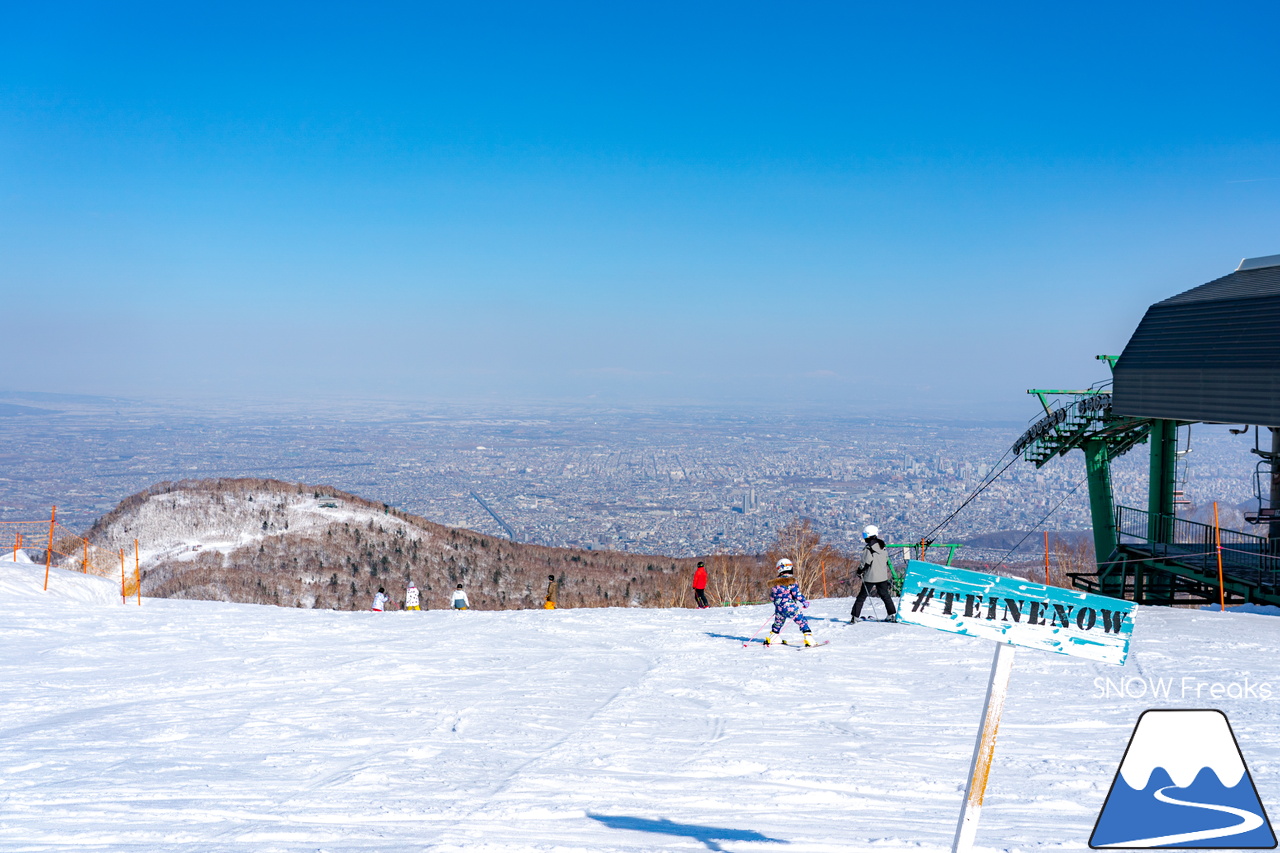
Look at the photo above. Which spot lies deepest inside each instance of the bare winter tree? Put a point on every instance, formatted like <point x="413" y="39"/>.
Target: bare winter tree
<point x="734" y="579"/>
<point x="1066" y="555"/>
<point x="800" y="543"/>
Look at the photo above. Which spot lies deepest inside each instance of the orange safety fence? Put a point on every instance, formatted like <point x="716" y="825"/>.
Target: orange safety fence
<point x="49" y="543"/>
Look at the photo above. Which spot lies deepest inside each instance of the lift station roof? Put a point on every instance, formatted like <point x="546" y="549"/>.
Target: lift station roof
<point x="1209" y="354"/>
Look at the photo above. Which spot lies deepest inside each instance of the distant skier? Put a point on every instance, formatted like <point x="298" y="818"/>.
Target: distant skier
<point x="553" y="589"/>
<point x="380" y="600"/>
<point x="411" y="598"/>
<point x="700" y="586"/>
<point x="874" y="572"/>
<point x="459" y="600"/>
<point x="788" y="601"/>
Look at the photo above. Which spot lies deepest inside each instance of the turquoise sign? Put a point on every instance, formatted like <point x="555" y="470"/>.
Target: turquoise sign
<point x="1015" y="611"/>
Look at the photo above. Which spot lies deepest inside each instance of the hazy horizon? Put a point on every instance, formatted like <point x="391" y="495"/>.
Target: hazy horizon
<point x="1015" y="411"/>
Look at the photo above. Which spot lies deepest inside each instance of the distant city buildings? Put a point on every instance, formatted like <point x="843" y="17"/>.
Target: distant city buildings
<point x="673" y="482"/>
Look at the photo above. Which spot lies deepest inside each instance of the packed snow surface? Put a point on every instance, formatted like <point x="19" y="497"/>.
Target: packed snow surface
<point x="196" y="726"/>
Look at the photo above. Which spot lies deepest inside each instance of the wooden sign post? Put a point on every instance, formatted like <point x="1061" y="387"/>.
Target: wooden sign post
<point x="1012" y="612"/>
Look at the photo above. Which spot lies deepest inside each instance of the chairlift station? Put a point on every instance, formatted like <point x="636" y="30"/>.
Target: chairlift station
<point x="1208" y="355"/>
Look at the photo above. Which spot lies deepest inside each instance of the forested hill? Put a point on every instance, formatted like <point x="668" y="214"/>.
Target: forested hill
<point x="270" y="542"/>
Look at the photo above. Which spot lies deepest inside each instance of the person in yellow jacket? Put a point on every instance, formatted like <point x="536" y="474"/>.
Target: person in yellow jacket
<point x="553" y="588"/>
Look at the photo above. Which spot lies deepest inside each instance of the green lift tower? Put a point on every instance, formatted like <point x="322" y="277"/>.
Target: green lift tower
<point x="1208" y="355"/>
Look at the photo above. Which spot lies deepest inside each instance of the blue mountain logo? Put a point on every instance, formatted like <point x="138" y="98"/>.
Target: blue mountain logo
<point x="1183" y="783"/>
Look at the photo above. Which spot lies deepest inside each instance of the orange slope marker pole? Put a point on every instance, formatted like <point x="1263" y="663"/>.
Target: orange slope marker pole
<point x="17" y="544"/>
<point x="84" y="567"/>
<point x="124" y="599"/>
<point x="48" y="553"/>
<point x="137" y="571"/>
<point x="1217" y="535"/>
<point x="824" y="579"/>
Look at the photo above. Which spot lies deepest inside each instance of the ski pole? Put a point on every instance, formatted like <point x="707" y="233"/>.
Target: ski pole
<point x="757" y="633"/>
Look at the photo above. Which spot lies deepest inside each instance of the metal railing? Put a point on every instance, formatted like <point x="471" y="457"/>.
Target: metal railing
<point x="1245" y="557"/>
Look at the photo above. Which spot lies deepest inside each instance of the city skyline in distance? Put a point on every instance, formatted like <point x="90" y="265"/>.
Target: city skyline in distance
<point x="673" y="481"/>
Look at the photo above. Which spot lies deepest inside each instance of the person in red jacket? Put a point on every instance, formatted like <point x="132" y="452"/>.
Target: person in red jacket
<point x="700" y="586"/>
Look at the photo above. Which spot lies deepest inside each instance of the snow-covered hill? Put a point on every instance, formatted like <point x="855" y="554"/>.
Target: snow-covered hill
<point x="269" y="542"/>
<point x="179" y="522"/>
<point x="198" y="726"/>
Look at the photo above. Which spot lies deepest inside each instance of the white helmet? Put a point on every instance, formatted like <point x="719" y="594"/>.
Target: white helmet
<point x="869" y="531"/>
<point x="785" y="567"/>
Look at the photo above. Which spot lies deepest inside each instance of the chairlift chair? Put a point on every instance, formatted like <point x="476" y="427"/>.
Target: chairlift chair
<point x="1266" y="513"/>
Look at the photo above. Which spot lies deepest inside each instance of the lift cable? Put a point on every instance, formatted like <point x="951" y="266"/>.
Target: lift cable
<point x="1039" y="525"/>
<point x="928" y="537"/>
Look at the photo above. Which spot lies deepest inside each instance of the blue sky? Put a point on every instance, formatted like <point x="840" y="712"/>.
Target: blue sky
<point x="837" y="205"/>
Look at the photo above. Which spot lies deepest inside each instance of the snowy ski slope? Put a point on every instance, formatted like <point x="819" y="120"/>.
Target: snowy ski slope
<point x="194" y="726"/>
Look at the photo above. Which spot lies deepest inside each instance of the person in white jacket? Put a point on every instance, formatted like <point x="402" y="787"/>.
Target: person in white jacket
<point x="874" y="571"/>
<point x="411" y="598"/>
<point x="380" y="600"/>
<point x="459" y="600"/>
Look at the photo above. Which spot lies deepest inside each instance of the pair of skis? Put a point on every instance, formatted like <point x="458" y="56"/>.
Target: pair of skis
<point x="781" y="642"/>
<point x="796" y="646"/>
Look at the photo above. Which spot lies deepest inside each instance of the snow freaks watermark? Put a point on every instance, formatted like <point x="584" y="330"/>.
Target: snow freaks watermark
<point x="1187" y="687"/>
<point x="1183" y="782"/>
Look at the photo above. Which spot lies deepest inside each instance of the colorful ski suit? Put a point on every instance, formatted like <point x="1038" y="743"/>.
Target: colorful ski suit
<point x="788" y="601"/>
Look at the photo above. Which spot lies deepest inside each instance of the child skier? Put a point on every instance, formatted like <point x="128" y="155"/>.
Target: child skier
<point x="459" y="600"/>
<point x="411" y="598"/>
<point x="380" y="600"/>
<point x="788" y="601"/>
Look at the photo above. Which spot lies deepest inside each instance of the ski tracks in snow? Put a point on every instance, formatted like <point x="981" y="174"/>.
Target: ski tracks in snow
<point x="192" y="727"/>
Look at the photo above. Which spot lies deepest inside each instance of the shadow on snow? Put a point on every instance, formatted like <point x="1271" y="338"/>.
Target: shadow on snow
<point x="708" y="835"/>
<point x="713" y="635"/>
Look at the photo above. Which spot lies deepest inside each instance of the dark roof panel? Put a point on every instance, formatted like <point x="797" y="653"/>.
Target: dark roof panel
<point x="1211" y="353"/>
<point x="1244" y="284"/>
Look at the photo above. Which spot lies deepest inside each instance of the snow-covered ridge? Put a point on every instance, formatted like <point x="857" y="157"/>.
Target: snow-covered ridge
<point x="180" y="524"/>
<point x="311" y="546"/>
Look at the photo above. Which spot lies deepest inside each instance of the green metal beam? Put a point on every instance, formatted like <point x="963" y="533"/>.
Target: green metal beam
<point x="1097" y="466"/>
<point x="1163" y="480"/>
